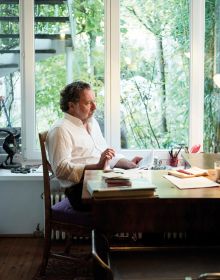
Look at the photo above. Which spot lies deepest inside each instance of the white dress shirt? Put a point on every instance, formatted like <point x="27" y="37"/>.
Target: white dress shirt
<point x="70" y="147"/>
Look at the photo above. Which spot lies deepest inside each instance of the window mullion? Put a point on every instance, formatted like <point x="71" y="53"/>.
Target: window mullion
<point x="27" y="78"/>
<point x="113" y="80"/>
<point x="197" y="17"/>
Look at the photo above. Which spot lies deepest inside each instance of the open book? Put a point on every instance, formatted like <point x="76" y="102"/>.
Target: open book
<point x="188" y="173"/>
<point x="137" y="188"/>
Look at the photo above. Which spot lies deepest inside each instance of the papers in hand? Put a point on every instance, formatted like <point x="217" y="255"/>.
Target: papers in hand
<point x="137" y="188"/>
<point x="147" y="161"/>
<point x="188" y="173"/>
<point x="192" y="183"/>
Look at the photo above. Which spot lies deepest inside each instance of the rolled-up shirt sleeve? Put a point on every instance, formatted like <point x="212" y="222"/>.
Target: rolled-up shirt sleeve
<point x="59" y="147"/>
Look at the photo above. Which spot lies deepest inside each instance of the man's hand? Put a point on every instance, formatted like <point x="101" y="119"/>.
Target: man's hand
<point x="137" y="159"/>
<point x="128" y="164"/>
<point x="125" y="164"/>
<point x="107" y="155"/>
<point x="103" y="162"/>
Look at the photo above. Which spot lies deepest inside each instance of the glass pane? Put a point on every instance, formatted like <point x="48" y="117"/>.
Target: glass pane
<point x="10" y="93"/>
<point x="154" y="73"/>
<point x="69" y="45"/>
<point x="212" y="67"/>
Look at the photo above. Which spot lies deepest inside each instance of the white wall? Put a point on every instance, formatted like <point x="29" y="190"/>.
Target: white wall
<point x="21" y="202"/>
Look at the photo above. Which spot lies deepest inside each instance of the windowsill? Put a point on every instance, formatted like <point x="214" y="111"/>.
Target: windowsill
<point x="6" y="175"/>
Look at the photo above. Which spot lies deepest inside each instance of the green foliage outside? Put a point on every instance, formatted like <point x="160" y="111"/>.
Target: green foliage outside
<point x="155" y="89"/>
<point x="212" y="93"/>
<point x="154" y="69"/>
<point x="51" y="73"/>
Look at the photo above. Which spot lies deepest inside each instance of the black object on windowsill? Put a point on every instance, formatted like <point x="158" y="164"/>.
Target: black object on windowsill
<point x="10" y="146"/>
<point x="22" y="170"/>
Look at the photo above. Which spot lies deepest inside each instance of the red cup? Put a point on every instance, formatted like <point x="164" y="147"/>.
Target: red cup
<point x="173" y="161"/>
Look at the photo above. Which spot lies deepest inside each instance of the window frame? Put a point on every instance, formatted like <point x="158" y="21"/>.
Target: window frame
<point x="112" y="77"/>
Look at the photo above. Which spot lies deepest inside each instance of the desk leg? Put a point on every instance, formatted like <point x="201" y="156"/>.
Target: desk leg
<point x="101" y="261"/>
<point x="209" y="276"/>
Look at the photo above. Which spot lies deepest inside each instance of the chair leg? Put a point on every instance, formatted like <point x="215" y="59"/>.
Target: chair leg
<point x="46" y="253"/>
<point x="69" y="243"/>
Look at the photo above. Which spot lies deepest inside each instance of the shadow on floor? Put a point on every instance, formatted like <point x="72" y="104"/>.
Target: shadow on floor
<point x="164" y="265"/>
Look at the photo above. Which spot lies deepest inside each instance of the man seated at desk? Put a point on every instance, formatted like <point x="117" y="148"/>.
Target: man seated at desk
<point x="75" y="142"/>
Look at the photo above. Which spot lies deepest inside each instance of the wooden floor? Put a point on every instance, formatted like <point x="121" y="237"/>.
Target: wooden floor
<point x="21" y="257"/>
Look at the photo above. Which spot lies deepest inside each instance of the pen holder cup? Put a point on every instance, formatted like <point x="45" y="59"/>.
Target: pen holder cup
<point x="173" y="161"/>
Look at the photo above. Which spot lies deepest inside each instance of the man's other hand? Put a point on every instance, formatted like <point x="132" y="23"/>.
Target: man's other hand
<point x="128" y="164"/>
<point x="136" y="160"/>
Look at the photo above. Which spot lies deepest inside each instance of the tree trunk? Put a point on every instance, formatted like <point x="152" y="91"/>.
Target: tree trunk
<point x="161" y="66"/>
<point x="91" y="66"/>
<point x="217" y="62"/>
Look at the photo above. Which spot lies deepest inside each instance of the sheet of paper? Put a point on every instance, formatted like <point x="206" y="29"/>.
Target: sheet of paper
<point x="123" y="174"/>
<point x="191" y="183"/>
<point x="115" y="175"/>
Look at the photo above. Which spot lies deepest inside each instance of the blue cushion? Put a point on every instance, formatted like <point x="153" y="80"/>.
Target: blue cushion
<point x="64" y="212"/>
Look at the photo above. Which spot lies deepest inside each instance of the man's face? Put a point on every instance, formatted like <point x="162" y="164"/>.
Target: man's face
<point x="86" y="106"/>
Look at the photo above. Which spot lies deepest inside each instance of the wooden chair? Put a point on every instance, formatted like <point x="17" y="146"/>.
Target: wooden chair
<point x="61" y="216"/>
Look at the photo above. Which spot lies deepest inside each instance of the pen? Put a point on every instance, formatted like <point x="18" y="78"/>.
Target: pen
<point x="171" y="152"/>
<point x="184" y="171"/>
<point x="177" y="153"/>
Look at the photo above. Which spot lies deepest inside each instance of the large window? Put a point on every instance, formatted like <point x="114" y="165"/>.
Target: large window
<point x="155" y="48"/>
<point x="212" y="77"/>
<point x="69" y="45"/>
<point x="144" y="59"/>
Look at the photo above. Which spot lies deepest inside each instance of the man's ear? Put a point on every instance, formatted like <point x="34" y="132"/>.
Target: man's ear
<point x="71" y="105"/>
<point x="72" y="108"/>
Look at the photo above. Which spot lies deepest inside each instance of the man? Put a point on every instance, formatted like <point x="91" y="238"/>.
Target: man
<point x="75" y="143"/>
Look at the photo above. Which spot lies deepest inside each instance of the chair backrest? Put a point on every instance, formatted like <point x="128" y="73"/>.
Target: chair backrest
<point x="46" y="175"/>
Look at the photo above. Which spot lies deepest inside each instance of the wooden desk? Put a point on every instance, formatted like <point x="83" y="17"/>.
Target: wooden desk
<point x="172" y="210"/>
<point x="202" y="160"/>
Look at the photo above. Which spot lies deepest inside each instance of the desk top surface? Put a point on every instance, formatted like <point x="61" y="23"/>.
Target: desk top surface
<point x="165" y="189"/>
<point x="202" y="160"/>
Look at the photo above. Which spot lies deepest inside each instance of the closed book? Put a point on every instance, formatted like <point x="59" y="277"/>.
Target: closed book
<point x="188" y="173"/>
<point x="112" y="182"/>
<point x="138" y="188"/>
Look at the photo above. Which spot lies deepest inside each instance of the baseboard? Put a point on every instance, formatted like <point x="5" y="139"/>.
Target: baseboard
<point x="18" y="235"/>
